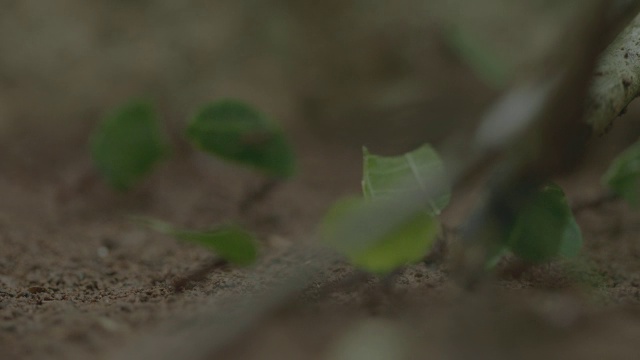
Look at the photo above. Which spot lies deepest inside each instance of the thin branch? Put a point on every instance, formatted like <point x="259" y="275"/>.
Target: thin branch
<point x="258" y="195"/>
<point x="594" y="203"/>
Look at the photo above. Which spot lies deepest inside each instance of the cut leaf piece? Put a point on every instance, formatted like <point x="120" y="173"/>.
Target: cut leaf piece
<point x="387" y="176"/>
<point x="484" y="62"/>
<point x="494" y="256"/>
<point x="545" y="228"/>
<point x="571" y="240"/>
<point x="623" y="176"/>
<point x="230" y="242"/>
<point x="237" y="132"/>
<point x="378" y="252"/>
<point x="127" y="144"/>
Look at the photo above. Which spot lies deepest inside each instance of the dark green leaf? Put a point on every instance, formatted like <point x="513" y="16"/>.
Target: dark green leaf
<point x="385" y="176"/>
<point x="572" y="240"/>
<point x="623" y="176"/>
<point x="238" y="132"/>
<point x="127" y="144"/>
<point x="230" y="242"/>
<point x="545" y="228"/>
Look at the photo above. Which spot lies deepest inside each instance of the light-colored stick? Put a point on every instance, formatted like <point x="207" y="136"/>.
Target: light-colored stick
<point x="617" y="80"/>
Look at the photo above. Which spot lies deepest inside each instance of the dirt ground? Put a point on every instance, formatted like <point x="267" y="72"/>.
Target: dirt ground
<point x="79" y="279"/>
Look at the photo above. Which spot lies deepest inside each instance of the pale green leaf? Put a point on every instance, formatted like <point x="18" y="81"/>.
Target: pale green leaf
<point x="385" y="177"/>
<point x="407" y="241"/>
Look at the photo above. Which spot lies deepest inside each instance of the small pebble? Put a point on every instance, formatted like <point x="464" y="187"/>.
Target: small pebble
<point x="36" y="289"/>
<point x="103" y="251"/>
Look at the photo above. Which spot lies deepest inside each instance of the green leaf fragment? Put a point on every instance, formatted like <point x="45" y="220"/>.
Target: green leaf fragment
<point x="387" y="176"/>
<point x="484" y="62"/>
<point x="407" y="242"/>
<point x="571" y="241"/>
<point x="127" y="144"/>
<point x="395" y="223"/>
<point x="545" y="228"/>
<point x="230" y="242"/>
<point x="494" y="256"/>
<point x="237" y="132"/>
<point x="623" y="176"/>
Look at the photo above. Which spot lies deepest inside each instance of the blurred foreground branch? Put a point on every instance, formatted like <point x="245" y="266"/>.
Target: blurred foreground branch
<point x="617" y="79"/>
<point x="552" y="138"/>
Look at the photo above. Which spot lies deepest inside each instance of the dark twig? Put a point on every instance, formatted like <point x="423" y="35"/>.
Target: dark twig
<point x="441" y="247"/>
<point x="251" y="199"/>
<point x="594" y="203"/>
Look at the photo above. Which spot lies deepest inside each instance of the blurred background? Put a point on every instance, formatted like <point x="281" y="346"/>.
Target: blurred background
<point x="363" y="72"/>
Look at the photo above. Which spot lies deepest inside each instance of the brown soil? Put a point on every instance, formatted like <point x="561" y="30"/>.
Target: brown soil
<point x="79" y="279"/>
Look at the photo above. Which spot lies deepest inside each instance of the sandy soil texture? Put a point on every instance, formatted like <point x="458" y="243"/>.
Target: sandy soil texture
<point x="79" y="279"/>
